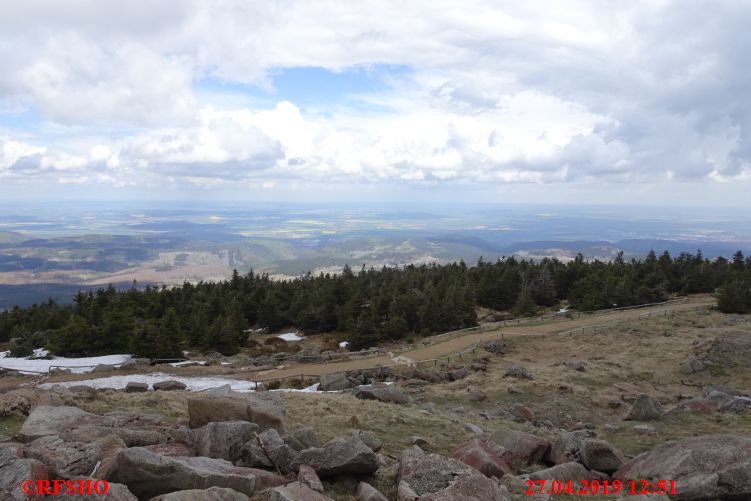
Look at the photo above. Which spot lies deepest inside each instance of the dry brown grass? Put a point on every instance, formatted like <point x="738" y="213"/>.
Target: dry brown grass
<point x="622" y="361"/>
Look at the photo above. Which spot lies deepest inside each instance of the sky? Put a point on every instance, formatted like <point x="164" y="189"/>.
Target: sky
<point x="579" y="102"/>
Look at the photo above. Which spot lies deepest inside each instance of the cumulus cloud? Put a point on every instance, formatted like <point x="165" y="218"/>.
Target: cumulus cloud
<point x="500" y="92"/>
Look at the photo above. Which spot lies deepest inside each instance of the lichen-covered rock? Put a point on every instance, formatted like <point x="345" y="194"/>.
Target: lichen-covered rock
<point x="424" y="475"/>
<point x="267" y="450"/>
<point x="71" y="459"/>
<point x="223" y="440"/>
<point x="484" y="457"/>
<point x="563" y="472"/>
<point x="308" y="476"/>
<point x="520" y="446"/>
<point x="344" y="455"/>
<point x="382" y="393"/>
<point x="53" y="420"/>
<point x="645" y="408"/>
<point x="704" y="467"/>
<point x="266" y="410"/>
<point x="335" y="382"/>
<point x="136" y="387"/>
<point x="366" y="492"/>
<point x="599" y="455"/>
<point x="296" y="491"/>
<point x="210" y="494"/>
<point x="169" y="385"/>
<point x="148" y="474"/>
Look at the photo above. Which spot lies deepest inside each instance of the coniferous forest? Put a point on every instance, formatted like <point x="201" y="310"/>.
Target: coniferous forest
<point x="370" y="305"/>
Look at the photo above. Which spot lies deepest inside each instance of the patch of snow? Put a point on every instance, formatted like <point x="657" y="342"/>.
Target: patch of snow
<point x="344" y="344"/>
<point x="563" y="310"/>
<point x="76" y="365"/>
<point x="188" y="363"/>
<point x="40" y="352"/>
<point x="192" y="383"/>
<point x="290" y="336"/>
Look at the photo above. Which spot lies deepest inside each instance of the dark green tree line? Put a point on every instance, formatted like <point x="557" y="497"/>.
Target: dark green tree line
<point x="370" y="305"/>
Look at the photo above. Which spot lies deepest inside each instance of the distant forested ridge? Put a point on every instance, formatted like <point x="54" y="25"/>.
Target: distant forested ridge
<point x="370" y="305"/>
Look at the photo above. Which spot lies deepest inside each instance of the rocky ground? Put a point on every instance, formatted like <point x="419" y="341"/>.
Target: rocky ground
<point x="662" y="399"/>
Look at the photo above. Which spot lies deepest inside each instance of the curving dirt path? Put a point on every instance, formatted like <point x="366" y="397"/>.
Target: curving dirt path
<point x="457" y="344"/>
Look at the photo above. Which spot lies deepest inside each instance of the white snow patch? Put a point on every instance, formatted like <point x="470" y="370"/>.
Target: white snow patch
<point x="40" y="352"/>
<point x="188" y="363"/>
<point x="192" y="383"/>
<point x="76" y="365"/>
<point x="290" y="336"/>
<point x="344" y="344"/>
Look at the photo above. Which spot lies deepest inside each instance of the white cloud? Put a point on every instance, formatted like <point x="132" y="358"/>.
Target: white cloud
<point x="496" y="92"/>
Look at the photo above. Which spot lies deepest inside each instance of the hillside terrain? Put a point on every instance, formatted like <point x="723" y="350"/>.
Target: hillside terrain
<point x="630" y="400"/>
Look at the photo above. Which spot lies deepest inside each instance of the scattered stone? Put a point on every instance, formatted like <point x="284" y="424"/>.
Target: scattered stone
<point x="103" y="368"/>
<point x="473" y="428"/>
<point x="419" y="442"/>
<point x="347" y="455"/>
<point x="15" y="471"/>
<point x="53" y="420"/>
<point x="599" y="455"/>
<point x="577" y="366"/>
<point x="148" y="474"/>
<point x="136" y="387"/>
<point x="705" y="467"/>
<point x="563" y="472"/>
<point x="266" y="410"/>
<point x="566" y="448"/>
<point x="72" y="459"/>
<point x="210" y="494"/>
<point x="479" y="367"/>
<point x="430" y="476"/>
<point x="513" y="390"/>
<point x="736" y="404"/>
<point x="520" y="446"/>
<point x="645" y="408"/>
<point x="482" y="456"/>
<point x="731" y="349"/>
<point x="169" y="385"/>
<point x="691" y="366"/>
<point x="430" y="376"/>
<point x="366" y="492"/>
<point x="334" y="382"/>
<point x="644" y="429"/>
<point x="457" y="374"/>
<point x="517" y="371"/>
<point x="267" y="450"/>
<point x="308" y="476"/>
<point x="307" y="437"/>
<point x="296" y="491"/>
<point x="615" y="404"/>
<point x="173" y="450"/>
<point x="382" y="393"/>
<point x="17" y="403"/>
<point x="223" y="390"/>
<point x="369" y="438"/>
<point x="476" y="395"/>
<point x="522" y="413"/>
<point x="223" y="440"/>
<point x="261" y="387"/>
<point x="132" y="437"/>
